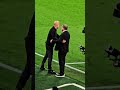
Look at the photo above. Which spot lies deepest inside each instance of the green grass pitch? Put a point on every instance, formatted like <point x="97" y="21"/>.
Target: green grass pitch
<point x="66" y="11"/>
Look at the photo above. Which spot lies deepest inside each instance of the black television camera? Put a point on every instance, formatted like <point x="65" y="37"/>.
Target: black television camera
<point x="82" y="49"/>
<point x="83" y="31"/>
<point x="116" y="12"/>
<point x="114" y="53"/>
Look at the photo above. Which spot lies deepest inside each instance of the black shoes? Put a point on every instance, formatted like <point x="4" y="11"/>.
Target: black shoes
<point x="60" y="75"/>
<point x="51" y="72"/>
<point x="42" y="68"/>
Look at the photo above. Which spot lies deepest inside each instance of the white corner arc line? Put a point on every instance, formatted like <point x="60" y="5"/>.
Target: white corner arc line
<point x="102" y="87"/>
<point x="79" y="86"/>
<point x="69" y="84"/>
<point x="76" y="63"/>
<point x="65" y="64"/>
<point x="10" y="68"/>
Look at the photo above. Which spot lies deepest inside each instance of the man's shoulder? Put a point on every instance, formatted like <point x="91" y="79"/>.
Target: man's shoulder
<point x="53" y="28"/>
<point x="66" y="32"/>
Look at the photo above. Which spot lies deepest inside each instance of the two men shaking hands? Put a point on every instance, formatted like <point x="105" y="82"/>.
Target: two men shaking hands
<point x="62" y="45"/>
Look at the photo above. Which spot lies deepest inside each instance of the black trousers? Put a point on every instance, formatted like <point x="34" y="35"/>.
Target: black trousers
<point x="49" y="56"/>
<point x="61" y="56"/>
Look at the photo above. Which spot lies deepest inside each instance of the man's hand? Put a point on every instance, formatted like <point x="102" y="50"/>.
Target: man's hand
<point x="63" y="41"/>
<point x="51" y="40"/>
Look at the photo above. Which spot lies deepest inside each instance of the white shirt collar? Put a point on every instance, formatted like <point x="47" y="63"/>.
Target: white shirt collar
<point x="64" y="30"/>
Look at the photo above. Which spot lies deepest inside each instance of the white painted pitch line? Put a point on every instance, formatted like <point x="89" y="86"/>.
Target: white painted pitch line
<point x="88" y="88"/>
<point x="37" y="65"/>
<point x="10" y="68"/>
<point x="47" y="69"/>
<point x="102" y="87"/>
<point x="65" y="64"/>
<point x="76" y="63"/>
<point x="69" y="84"/>
<point x="79" y="86"/>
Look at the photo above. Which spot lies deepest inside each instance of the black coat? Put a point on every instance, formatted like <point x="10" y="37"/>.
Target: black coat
<point x="64" y="47"/>
<point x="51" y="35"/>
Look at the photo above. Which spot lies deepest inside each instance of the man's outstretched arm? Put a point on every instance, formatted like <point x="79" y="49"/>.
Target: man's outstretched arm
<point x="60" y="40"/>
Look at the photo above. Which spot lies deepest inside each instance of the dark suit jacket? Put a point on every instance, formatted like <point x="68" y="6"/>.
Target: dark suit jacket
<point x="64" y="47"/>
<point x="51" y="35"/>
<point x="58" y="45"/>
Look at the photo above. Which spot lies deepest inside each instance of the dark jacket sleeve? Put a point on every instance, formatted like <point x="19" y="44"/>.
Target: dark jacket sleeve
<point x="59" y="40"/>
<point x="54" y="34"/>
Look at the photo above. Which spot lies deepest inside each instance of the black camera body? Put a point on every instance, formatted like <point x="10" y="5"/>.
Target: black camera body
<point x="116" y="12"/>
<point x="83" y="31"/>
<point x="115" y="53"/>
<point x="112" y="52"/>
<point x="82" y="49"/>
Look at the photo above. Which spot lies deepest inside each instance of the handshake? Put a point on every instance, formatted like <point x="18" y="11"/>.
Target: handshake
<point x="63" y="41"/>
<point x="58" y="45"/>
